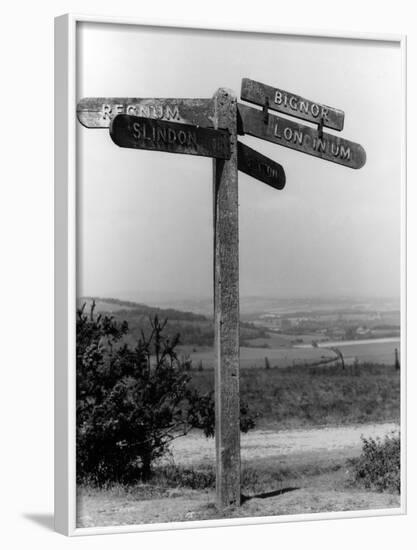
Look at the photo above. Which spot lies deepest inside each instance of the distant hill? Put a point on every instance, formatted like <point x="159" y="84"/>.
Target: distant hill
<point x="113" y="305"/>
<point x="194" y="329"/>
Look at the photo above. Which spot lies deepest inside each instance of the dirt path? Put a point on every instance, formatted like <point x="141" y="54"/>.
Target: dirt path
<point x="324" y="490"/>
<point x="266" y="444"/>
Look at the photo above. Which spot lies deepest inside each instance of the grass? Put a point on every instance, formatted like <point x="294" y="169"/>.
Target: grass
<point x="177" y="494"/>
<point x="169" y="480"/>
<point x="254" y="357"/>
<point x="298" y="397"/>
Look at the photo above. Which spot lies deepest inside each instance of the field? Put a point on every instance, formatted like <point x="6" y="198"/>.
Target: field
<point x="282" y="354"/>
<point x="297" y="397"/>
<point x="278" y="357"/>
<point x="377" y="352"/>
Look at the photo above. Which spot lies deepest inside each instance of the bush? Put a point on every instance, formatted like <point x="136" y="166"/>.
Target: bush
<point x="378" y="467"/>
<point x="132" y="402"/>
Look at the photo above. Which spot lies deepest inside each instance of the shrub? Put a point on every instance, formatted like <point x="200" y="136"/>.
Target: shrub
<point x="378" y="466"/>
<point x="132" y="402"/>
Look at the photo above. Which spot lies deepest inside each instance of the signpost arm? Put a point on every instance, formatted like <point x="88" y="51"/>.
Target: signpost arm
<point x="226" y="308"/>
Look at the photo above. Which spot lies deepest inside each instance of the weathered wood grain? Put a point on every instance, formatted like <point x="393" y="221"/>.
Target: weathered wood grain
<point x="171" y="137"/>
<point x="300" y="137"/>
<point x="97" y="112"/>
<point x="291" y="104"/>
<point x="226" y="309"/>
<point x="260" y="167"/>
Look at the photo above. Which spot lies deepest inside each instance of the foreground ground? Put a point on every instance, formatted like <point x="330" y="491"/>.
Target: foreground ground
<point x="284" y="472"/>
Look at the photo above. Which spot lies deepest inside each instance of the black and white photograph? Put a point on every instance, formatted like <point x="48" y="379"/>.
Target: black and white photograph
<point x="239" y="300"/>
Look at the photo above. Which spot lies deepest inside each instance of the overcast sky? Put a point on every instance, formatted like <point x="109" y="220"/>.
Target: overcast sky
<point x="145" y="218"/>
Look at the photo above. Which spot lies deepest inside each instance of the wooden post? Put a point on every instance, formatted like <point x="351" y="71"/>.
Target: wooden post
<point x="226" y="307"/>
<point x="397" y="361"/>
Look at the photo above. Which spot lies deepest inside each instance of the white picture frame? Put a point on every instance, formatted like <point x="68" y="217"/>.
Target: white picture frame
<point x="65" y="281"/>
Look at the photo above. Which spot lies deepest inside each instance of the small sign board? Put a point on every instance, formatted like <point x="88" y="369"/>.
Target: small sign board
<point x="97" y="112"/>
<point x="171" y="137"/>
<point x="260" y="167"/>
<point x="291" y="104"/>
<point x="302" y="138"/>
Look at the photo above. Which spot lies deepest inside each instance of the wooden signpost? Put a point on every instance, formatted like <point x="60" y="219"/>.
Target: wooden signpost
<point x="172" y="137"/>
<point x="226" y="307"/>
<point x="300" y="137"/>
<point x="291" y="104"/>
<point x="97" y="112"/>
<point x="210" y="127"/>
<point x="260" y="167"/>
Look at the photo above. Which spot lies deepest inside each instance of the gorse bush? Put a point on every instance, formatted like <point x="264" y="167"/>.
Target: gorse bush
<point x="132" y="401"/>
<point x="378" y="466"/>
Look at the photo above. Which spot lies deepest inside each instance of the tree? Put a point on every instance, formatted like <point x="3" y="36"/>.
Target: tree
<point x="132" y="402"/>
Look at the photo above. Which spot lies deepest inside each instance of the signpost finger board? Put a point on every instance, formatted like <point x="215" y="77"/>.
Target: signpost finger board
<point x="260" y="167"/>
<point x="300" y="137"/>
<point x="171" y="137"/>
<point x="291" y="104"/>
<point x="97" y="112"/>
